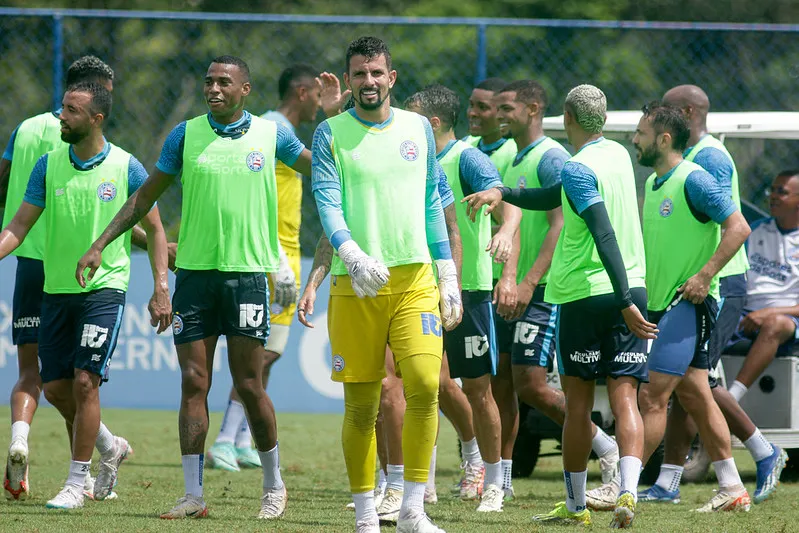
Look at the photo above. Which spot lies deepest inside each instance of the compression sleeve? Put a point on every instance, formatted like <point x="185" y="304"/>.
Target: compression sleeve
<point x="534" y="199"/>
<point x="598" y="223"/>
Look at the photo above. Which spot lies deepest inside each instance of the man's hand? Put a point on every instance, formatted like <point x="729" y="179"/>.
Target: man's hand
<point x="450" y="302"/>
<point x="753" y="321"/>
<point x="505" y="298"/>
<point x="305" y="306"/>
<point x="491" y="197"/>
<point x="367" y="274"/>
<point x="172" y="254"/>
<point x="160" y="309"/>
<point x="500" y="246"/>
<point x="639" y="326"/>
<point x="696" y="288"/>
<point x="284" y="282"/>
<point x="524" y="293"/>
<point x="92" y="260"/>
<point x="332" y="98"/>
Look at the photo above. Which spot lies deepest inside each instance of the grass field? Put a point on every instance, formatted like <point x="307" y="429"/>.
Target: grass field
<point x="313" y="469"/>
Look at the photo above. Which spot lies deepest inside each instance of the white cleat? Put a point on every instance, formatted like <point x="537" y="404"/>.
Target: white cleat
<point x="187" y="507"/>
<point x="510" y="494"/>
<point x="70" y="497"/>
<point x="491" y="502"/>
<point x="609" y="466"/>
<point x="417" y="522"/>
<point x="15" y="483"/>
<point x="273" y="503"/>
<point x="728" y="501"/>
<point x="88" y="489"/>
<point x="389" y="508"/>
<point x="109" y="467"/>
<point x="603" y="498"/>
<point x="366" y="526"/>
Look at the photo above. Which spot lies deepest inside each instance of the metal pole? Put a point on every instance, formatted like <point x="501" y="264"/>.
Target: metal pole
<point x="58" y="59"/>
<point x="482" y="54"/>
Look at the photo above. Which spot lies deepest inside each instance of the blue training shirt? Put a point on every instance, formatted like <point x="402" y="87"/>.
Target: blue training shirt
<point x="717" y="163"/>
<point x="326" y="187"/>
<point x="475" y="168"/>
<point x="36" y="192"/>
<point x="705" y="194"/>
<point x="287" y="147"/>
<point x="550" y="165"/>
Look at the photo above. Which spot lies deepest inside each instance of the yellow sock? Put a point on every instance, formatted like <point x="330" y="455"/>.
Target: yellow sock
<point x="420" y="377"/>
<point x="361" y="401"/>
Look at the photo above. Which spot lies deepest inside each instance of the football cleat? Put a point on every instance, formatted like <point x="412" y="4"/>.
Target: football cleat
<point x="273" y="503"/>
<point x="624" y="513"/>
<point x="222" y="456"/>
<point x="769" y="471"/>
<point x="187" y="507"/>
<point x="109" y="467"/>
<point x="603" y="498"/>
<point x="657" y="494"/>
<point x="726" y="501"/>
<point x="491" y="500"/>
<point x="15" y="482"/>
<point x="562" y="516"/>
<point x="70" y="497"/>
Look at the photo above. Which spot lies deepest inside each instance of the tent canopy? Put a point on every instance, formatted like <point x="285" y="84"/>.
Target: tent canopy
<point x="754" y="125"/>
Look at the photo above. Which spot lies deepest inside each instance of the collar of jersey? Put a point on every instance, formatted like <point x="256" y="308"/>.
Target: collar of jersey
<point x="659" y="181"/>
<point x="595" y="141"/>
<point x="440" y="155"/>
<point x="93" y="161"/>
<point x="239" y="127"/>
<point x="527" y="149"/>
<point x="277" y="116"/>
<point x="688" y="149"/>
<point x="486" y="148"/>
<point x="374" y="125"/>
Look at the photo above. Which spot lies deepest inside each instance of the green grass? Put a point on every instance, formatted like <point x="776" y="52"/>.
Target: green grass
<point x="313" y="469"/>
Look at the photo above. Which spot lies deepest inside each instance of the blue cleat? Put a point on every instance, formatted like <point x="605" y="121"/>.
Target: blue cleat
<point x="658" y="494"/>
<point x="768" y="473"/>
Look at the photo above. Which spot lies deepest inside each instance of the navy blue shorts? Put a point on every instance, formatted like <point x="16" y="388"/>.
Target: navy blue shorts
<point x="594" y="342"/>
<point x="26" y="308"/>
<point x="472" y="346"/>
<point x="685" y="331"/>
<point x="209" y="303"/>
<point x="534" y="332"/>
<point x="79" y="331"/>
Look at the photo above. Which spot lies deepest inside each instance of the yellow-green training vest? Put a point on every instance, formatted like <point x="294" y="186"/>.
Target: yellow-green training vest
<point x="534" y="225"/>
<point x="79" y="205"/>
<point x="35" y="137"/>
<point x="383" y="174"/>
<point x="476" y="275"/>
<point x="739" y="263"/>
<point x="577" y="272"/>
<point x="229" y="218"/>
<point x="677" y="245"/>
<point x="502" y="158"/>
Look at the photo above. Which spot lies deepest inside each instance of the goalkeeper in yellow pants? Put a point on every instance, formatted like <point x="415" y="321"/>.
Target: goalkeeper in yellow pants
<point x="375" y="180"/>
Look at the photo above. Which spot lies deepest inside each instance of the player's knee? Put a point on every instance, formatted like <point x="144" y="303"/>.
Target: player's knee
<point x="194" y="383"/>
<point x="29" y="380"/>
<point x="55" y="393"/>
<point x="651" y="400"/>
<point x="270" y="358"/>
<point x="249" y="389"/>
<point x="777" y="327"/>
<point x="84" y="386"/>
<point x="421" y="388"/>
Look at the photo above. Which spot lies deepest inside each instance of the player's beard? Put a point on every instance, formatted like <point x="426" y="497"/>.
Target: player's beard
<point x="73" y="136"/>
<point x="649" y="156"/>
<point x="370" y="106"/>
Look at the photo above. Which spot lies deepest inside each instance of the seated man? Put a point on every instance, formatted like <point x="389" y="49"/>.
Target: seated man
<point x="771" y="314"/>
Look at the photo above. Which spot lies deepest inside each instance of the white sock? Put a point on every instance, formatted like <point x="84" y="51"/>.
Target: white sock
<point x="737" y="390"/>
<point x="603" y="444"/>
<point x="507" y="473"/>
<point x="431" y="476"/>
<point x="382" y="480"/>
<point x="630" y="471"/>
<point x="365" y="507"/>
<point x="758" y="446"/>
<point x="727" y="474"/>
<point x="395" y="475"/>
<point x="77" y="472"/>
<point x="105" y="440"/>
<point x="270" y="462"/>
<point x="20" y="429"/>
<point x="231" y="422"/>
<point x="575" y="490"/>
<point x="493" y="474"/>
<point x="471" y="452"/>
<point x="193" y="474"/>
<point x="669" y="477"/>
<point x="412" y="498"/>
<point x="244" y="435"/>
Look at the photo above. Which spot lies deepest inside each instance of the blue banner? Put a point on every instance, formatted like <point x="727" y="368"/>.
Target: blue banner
<point x="144" y="368"/>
